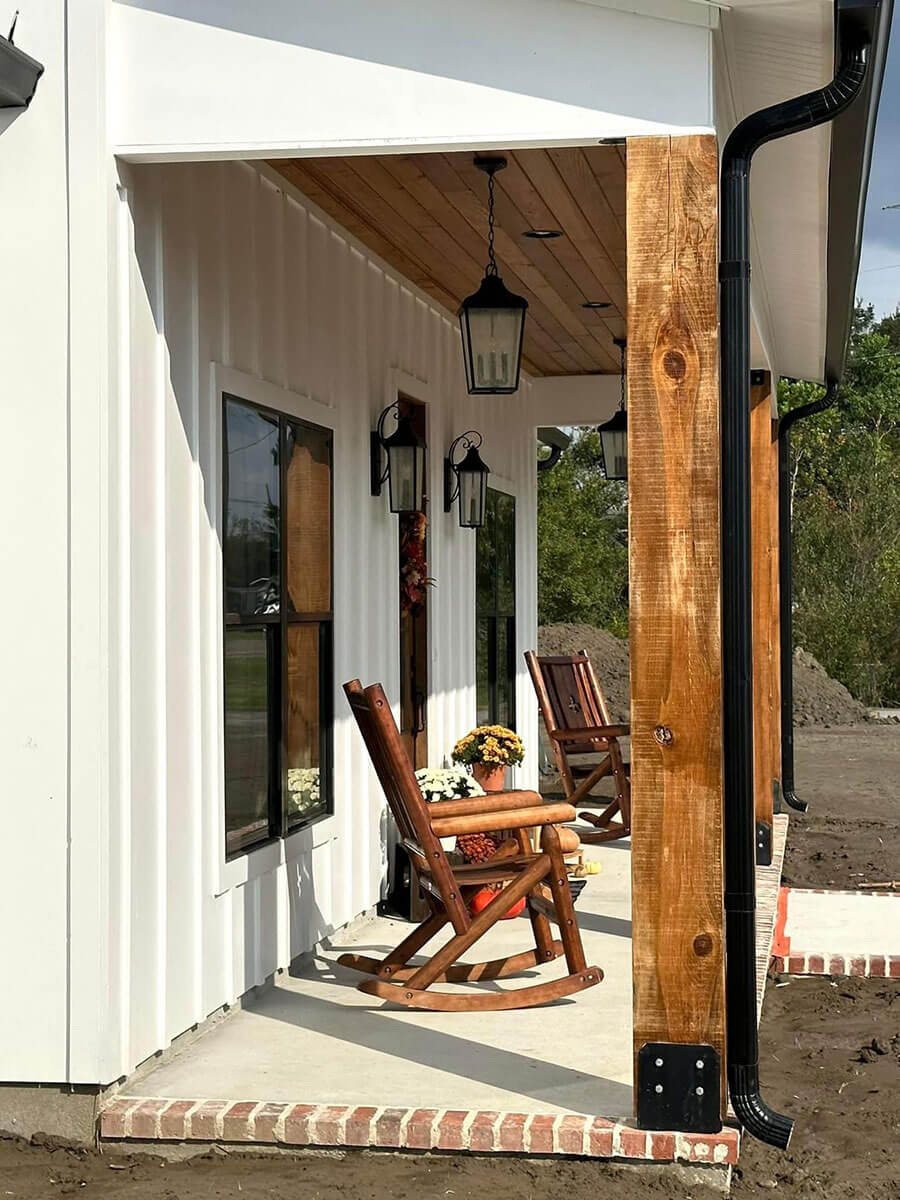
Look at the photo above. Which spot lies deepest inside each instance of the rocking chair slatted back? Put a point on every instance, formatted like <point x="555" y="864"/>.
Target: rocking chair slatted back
<point x="569" y="696"/>
<point x="401" y="789"/>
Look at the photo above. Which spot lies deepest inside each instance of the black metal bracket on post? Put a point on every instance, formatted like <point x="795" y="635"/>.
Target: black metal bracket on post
<point x="763" y="844"/>
<point x="678" y="1087"/>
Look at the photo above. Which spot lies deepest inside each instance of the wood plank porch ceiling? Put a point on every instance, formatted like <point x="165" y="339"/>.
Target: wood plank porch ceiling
<point x="426" y="215"/>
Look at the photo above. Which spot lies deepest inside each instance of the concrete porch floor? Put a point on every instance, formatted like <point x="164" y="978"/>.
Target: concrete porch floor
<point x="310" y="1061"/>
<point x="312" y="1034"/>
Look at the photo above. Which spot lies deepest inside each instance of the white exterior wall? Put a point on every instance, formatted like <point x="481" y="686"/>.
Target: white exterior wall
<point x="229" y="269"/>
<point x="34" y="493"/>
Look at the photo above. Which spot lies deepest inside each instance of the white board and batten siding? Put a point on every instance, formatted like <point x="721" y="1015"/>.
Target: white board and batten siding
<point x="231" y="281"/>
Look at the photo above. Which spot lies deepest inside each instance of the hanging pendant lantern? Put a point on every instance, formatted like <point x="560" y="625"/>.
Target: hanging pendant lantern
<point x="614" y="432"/>
<point x="492" y="320"/>
<point x="471" y="480"/>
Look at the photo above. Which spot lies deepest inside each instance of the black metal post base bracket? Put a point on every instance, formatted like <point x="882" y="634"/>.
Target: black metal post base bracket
<point x="679" y="1087"/>
<point x="763" y="844"/>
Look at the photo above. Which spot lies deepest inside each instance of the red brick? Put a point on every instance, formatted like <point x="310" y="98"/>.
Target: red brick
<point x="633" y="1143"/>
<point x="600" y="1138"/>
<point x="172" y="1124"/>
<point x="203" y="1120"/>
<point x="450" y="1130"/>
<point x="540" y="1134"/>
<point x="387" y="1127"/>
<point x="836" y="964"/>
<point x="877" y="966"/>
<point x="570" y="1134"/>
<point x="894" y="966"/>
<point x="707" y="1147"/>
<point x="296" y="1124"/>
<point x="358" y="1130"/>
<point x="512" y="1132"/>
<point x="857" y="966"/>
<point x="481" y="1131"/>
<point x="145" y="1118"/>
<point x="662" y="1147"/>
<point x="265" y="1121"/>
<point x="236" y="1122"/>
<point x="327" y="1126"/>
<point x="417" y="1134"/>
<point x="112" y="1118"/>
<point x="776" y="963"/>
<point x="816" y="964"/>
<point x="795" y="964"/>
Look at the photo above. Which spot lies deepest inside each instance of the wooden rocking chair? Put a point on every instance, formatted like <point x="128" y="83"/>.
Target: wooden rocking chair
<point x="577" y="721"/>
<point x="539" y="877"/>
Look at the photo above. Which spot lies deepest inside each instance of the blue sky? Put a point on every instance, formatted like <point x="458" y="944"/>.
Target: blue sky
<point x="879" y="273"/>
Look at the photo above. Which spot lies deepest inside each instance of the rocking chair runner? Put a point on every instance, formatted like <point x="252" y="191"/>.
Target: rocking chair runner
<point x="539" y="877"/>
<point x="577" y="721"/>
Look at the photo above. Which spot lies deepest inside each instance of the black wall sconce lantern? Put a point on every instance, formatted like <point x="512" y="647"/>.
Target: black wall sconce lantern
<point x="470" y="483"/>
<point x="405" y="467"/>
<point x="492" y="320"/>
<point x="614" y="432"/>
<point x="19" y="73"/>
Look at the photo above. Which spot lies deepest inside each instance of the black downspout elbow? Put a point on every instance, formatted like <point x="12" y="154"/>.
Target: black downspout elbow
<point x="791" y="116"/>
<point x="786" y="587"/>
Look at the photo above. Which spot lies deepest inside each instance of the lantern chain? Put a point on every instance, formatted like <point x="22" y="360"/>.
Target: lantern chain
<point x="491" y="268"/>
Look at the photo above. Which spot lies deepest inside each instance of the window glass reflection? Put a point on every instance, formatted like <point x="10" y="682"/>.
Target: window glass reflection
<point x="252" y="512"/>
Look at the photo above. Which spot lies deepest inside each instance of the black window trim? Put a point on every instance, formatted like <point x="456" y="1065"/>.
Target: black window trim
<point x="279" y="826"/>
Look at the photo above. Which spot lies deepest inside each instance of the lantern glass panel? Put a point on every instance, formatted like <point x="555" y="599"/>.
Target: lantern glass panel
<point x="615" y="453"/>
<point x="406" y="478"/>
<point x="495" y="335"/>
<point x="472" y="487"/>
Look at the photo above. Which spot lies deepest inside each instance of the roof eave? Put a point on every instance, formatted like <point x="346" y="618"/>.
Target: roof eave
<point x="852" y="140"/>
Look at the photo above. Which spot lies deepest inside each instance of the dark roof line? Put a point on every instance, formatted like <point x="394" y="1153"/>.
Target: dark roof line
<point x="852" y="139"/>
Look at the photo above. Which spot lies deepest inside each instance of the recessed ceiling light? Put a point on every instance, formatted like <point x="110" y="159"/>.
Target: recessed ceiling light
<point x="597" y="304"/>
<point x="543" y="234"/>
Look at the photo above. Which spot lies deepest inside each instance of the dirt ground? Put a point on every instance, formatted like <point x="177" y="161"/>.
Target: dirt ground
<point x="829" y="1056"/>
<point x="851" y="833"/>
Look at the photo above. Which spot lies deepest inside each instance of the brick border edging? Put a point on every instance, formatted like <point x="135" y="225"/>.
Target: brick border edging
<point x="330" y="1126"/>
<point x="843" y="892"/>
<point x="869" y="966"/>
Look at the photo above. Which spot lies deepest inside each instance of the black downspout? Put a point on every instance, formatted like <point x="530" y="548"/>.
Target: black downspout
<point x="786" y="588"/>
<point x="804" y="112"/>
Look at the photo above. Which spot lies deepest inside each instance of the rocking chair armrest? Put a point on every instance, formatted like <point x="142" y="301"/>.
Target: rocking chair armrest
<point x="518" y="818"/>
<point x="589" y="733"/>
<point x="492" y="802"/>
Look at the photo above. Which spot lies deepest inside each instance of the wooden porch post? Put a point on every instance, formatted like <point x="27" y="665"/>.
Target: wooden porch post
<point x="676" y="688"/>
<point x="766" y="623"/>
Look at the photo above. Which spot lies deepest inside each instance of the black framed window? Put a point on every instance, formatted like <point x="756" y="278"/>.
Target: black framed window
<point x="495" y="611"/>
<point x="278" y="602"/>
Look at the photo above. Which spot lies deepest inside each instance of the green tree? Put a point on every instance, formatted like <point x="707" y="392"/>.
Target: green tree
<point x="846" y="512"/>
<point x="582" y="540"/>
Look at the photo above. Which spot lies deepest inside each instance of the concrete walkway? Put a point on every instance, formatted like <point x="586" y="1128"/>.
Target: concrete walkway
<point x="822" y="932"/>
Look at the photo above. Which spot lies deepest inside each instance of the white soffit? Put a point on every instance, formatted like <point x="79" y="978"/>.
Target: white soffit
<point x="769" y="52"/>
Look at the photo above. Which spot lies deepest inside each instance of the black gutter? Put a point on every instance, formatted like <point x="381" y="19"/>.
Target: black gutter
<point x="852" y="141"/>
<point x="790" y="116"/>
<point x="786" y="589"/>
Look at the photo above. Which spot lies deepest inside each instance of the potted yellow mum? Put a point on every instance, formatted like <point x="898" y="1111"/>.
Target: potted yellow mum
<point x="489" y="750"/>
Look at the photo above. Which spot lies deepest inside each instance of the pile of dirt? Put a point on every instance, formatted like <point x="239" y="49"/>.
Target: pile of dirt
<point x="818" y="699"/>
<point x="608" y="654"/>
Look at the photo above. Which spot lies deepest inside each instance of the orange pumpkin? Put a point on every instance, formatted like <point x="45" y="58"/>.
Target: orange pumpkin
<point x="482" y="899"/>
